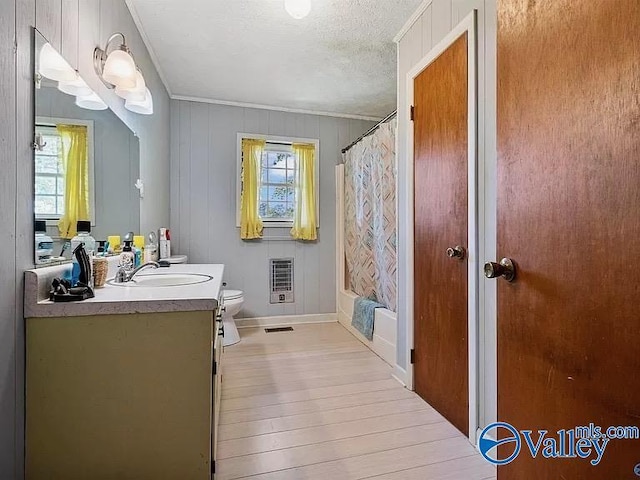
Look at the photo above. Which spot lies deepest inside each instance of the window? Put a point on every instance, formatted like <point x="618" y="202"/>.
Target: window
<point x="277" y="197"/>
<point x="49" y="181"/>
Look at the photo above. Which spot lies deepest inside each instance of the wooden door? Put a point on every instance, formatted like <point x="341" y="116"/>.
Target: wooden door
<point x="441" y="365"/>
<point x="569" y="215"/>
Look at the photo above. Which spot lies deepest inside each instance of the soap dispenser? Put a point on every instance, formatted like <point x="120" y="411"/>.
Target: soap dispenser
<point x="127" y="257"/>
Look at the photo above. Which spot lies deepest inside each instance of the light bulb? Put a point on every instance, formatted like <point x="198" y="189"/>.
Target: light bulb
<point x="297" y="8"/>
<point x="120" y="69"/>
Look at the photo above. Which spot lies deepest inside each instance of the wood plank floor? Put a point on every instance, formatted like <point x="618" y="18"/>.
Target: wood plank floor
<point x="316" y="403"/>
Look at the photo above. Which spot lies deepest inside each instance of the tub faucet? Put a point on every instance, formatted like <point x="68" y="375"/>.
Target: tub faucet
<point x="122" y="276"/>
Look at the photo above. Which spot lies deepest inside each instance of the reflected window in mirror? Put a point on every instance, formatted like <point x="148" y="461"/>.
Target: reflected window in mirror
<point x="64" y="173"/>
<point x="49" y="181"/>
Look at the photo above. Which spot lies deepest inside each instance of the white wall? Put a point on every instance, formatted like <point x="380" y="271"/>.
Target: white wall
<point x="74" y="27"/>
<point x="438" y="17"/>
<point x="203" y="202"/>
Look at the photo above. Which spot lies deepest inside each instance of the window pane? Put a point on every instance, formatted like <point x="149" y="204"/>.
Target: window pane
<point x="45" y="205"/>
<point x="264" y="194"/>
<point x="291" y="194"/>
<point x="289" y="212"/>
<point x="291" y="161"/>
<point x="45" y="185"/>
<point x="291" y="176"/>
<point x="263" y="209"/>
<point x="277" y="176"/>
<point x="60" y="210"/>
<point x="278" y="160"/>
<point x="277" y="194"/>
<point x="52" y="146"/>
<point x="276" y="210"/>
<point x="61" y="186"/>
<point x="265" y="176"/>
<point x="46" y="164"/>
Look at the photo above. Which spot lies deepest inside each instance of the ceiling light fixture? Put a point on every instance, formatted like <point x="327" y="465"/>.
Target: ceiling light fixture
<point x="115" y="65"/>
<point x="297" y="8"/>
<point x="52" y="66"/>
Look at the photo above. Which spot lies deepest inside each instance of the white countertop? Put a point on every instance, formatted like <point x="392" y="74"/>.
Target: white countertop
<point x="115" y="299"/>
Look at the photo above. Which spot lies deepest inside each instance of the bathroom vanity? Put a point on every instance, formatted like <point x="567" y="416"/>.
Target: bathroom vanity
<point x="127" y="384"/>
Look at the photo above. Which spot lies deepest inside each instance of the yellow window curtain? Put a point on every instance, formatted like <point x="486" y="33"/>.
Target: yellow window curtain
<point x="75" y="165"/>
<point x="250" y="221"/>
<point x="304" y="217"/>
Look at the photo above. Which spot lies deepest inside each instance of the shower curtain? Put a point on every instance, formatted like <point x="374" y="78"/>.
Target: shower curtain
<point x="370" y="215"/>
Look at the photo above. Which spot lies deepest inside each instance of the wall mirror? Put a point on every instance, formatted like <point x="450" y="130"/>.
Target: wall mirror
<point x="87" y="161"/>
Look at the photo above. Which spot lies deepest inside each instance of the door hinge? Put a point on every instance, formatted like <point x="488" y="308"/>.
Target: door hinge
<point x="213" y="466"/>
<point x="412" y="356"/>
<point x="412" y="113"/>
<point x="215" y="368"/>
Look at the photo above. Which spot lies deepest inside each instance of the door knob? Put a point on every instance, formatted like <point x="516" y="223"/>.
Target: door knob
<point x="456" y="252"/>
<point x="505" y="269"/>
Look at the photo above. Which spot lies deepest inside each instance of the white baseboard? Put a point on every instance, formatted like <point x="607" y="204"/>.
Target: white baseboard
<point x="285" y="320"/>
<point x="400" y="374"/>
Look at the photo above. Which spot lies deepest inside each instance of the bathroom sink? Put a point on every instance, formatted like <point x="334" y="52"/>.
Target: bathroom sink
<point x="164" y="280"/>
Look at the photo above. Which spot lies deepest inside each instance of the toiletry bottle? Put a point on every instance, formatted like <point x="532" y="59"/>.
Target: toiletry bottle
<point x="43" y="243"/>
<point x="83" y="237"/>
<point x="127" y="257"/>
<point x="151" y="248"/>
<point x="163" y="243"/>
<point x="138" y="249"/>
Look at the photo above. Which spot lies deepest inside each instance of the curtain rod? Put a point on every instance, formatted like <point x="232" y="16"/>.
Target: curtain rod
<point x="371" y="130"/>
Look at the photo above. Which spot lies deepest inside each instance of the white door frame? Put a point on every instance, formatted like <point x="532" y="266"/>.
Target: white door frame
<point x="468" y="25"/>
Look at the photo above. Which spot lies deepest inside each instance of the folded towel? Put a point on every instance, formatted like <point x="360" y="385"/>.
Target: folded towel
<point x="364" y="311"/>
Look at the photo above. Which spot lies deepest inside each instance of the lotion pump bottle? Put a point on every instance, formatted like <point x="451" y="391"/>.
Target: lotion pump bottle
<point x="127" y="257"/>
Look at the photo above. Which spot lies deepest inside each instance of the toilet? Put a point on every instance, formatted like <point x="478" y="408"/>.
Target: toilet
<point x="232" y="300"/>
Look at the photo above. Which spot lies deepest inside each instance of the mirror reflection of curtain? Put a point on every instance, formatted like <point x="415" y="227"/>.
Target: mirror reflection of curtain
<point x="370" y="215"/>
<point x="75" y="164"/>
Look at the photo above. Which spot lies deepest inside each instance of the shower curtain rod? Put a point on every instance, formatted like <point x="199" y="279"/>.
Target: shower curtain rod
<point x="371" y="130"/>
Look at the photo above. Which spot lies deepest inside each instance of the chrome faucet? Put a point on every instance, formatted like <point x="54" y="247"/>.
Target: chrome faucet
<point x="123" y="276"/>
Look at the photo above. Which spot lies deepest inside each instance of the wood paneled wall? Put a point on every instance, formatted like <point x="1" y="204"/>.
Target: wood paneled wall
<point x="437" y="19"/>
<point x="74" y="27"/>
<point x="203" y="202"/>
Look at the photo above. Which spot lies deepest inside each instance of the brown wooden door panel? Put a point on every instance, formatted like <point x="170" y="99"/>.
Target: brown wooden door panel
<point x="568" y="214"/>
<point x="440" y="215"/>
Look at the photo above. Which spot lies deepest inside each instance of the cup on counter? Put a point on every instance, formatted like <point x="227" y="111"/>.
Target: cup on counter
<point x="100" y="270"/>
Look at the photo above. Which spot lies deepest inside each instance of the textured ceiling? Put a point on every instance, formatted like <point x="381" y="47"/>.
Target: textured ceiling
<point x="340" y="58"/>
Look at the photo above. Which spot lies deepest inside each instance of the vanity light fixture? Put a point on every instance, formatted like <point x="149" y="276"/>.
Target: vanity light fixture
<point x="115" y="65"/>
<point x="297" y="8"/>
<point x="53" y="66"/>
<point x="76" y="87"/>
<point x="143" y="107"/>
<point x="91" y="102"/>
<point x="137" y="93"/>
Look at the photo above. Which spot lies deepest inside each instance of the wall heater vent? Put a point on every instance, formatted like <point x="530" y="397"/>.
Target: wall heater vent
<point x="281" y="280"/>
